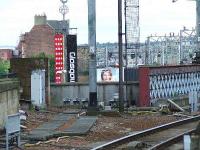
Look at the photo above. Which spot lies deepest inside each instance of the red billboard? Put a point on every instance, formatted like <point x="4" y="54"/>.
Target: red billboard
<point x="59" y="57"/>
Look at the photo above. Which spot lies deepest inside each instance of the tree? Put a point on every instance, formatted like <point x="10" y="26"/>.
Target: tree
<point x="4" y="66"/>
<point x="51" y="68"/>
<point x="51" y="63"/>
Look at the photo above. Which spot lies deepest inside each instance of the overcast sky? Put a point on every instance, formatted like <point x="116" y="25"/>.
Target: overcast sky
<point x="156" y="17"/>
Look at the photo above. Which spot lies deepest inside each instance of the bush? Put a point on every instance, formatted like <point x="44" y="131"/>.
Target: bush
<point x="51" y="63"/>
<point x="4" y="66"/>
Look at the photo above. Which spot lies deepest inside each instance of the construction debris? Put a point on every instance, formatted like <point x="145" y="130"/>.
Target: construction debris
<point x="176" y="105"/>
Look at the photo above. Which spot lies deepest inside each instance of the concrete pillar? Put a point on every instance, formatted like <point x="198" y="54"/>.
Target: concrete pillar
<point x="92" y="52"/>
<point x="195" y="139"/>
<point x="198" y="24"/>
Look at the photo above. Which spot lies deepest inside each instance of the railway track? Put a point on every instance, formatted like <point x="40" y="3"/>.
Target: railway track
<point x="155" y="138"/>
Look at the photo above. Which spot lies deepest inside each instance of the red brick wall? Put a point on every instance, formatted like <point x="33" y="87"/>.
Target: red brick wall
<point x="40" y="39"/>
<point x="5" y="54"/>
<point x="144" y="97"/>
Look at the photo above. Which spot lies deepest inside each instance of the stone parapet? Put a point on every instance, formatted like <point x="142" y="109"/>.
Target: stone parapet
<point x="8" y="84"/>
<point x="9" y="98"/>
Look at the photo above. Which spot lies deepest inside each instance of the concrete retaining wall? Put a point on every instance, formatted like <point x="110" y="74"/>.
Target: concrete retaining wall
<point x="9" y="98"/>
<point x="105" y="92"/>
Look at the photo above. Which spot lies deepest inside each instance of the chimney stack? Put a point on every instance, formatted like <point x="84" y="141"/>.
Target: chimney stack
<point x="40" y="19"/>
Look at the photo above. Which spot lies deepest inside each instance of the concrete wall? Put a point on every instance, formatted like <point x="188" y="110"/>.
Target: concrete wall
<point x="105" y="92"/>
<point x="9" y="98"/>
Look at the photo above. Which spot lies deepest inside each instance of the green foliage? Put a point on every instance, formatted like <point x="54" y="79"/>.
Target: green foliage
<point x="51" y="68"/>
<point x="42" y="55"/>
<point x="51" y="63"/>
<point x="4" y="66"/>
<point x="31" y="108"/>
<point x="86" y="73"/>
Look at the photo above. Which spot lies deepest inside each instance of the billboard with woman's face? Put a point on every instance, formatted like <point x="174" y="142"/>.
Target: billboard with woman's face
<point x="107" y="74"/>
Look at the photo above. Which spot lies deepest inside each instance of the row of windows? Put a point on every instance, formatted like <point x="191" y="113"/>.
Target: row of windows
<point x="59" y="53"/>
<point x="59" y="48"/>
<point x="57" y="78"/>
<point x="58" y="39"/>
<point x="59" y="63"/>
<point x="59" y="68"/>
<point x="58" y="43"/>
<point x="59" y="58"/>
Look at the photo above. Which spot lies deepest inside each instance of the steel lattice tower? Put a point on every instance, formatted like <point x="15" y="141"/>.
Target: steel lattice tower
<point x="132" y="29"/>
<point x="172" y="49"/>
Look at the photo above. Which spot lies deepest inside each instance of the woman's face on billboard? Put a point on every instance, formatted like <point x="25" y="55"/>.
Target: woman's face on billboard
<point x="107" y="76"/>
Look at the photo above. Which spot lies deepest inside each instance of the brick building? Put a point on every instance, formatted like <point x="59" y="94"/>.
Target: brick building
<point x="6" y="54"/>
<point x="40" y="39"/>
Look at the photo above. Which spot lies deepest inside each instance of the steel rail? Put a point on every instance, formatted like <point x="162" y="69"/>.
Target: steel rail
<point x="134" y="136"/>
<point x="170" y="141"/>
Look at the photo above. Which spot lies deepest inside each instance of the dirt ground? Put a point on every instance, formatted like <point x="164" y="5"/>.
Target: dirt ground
<point x="105" y="129"/>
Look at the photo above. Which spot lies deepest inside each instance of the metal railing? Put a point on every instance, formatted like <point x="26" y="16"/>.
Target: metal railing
<point x="8" y="75"/>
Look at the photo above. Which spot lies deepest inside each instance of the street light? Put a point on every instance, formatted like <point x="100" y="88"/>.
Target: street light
<point x="63" y="9"/>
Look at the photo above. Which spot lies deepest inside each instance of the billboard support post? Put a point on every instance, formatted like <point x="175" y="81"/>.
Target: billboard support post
<point x="121" y="92"/>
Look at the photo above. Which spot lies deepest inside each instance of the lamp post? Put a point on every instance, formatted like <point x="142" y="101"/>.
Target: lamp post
<point x="181" y="44"/>
<point x="63" y="9"/>
<point x="198" y="24"/>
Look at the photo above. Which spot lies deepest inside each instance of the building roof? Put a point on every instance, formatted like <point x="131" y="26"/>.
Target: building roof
<point x="59" y="26"/>
<point x="5" y="50"/>
<point x="40" y="39"/>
